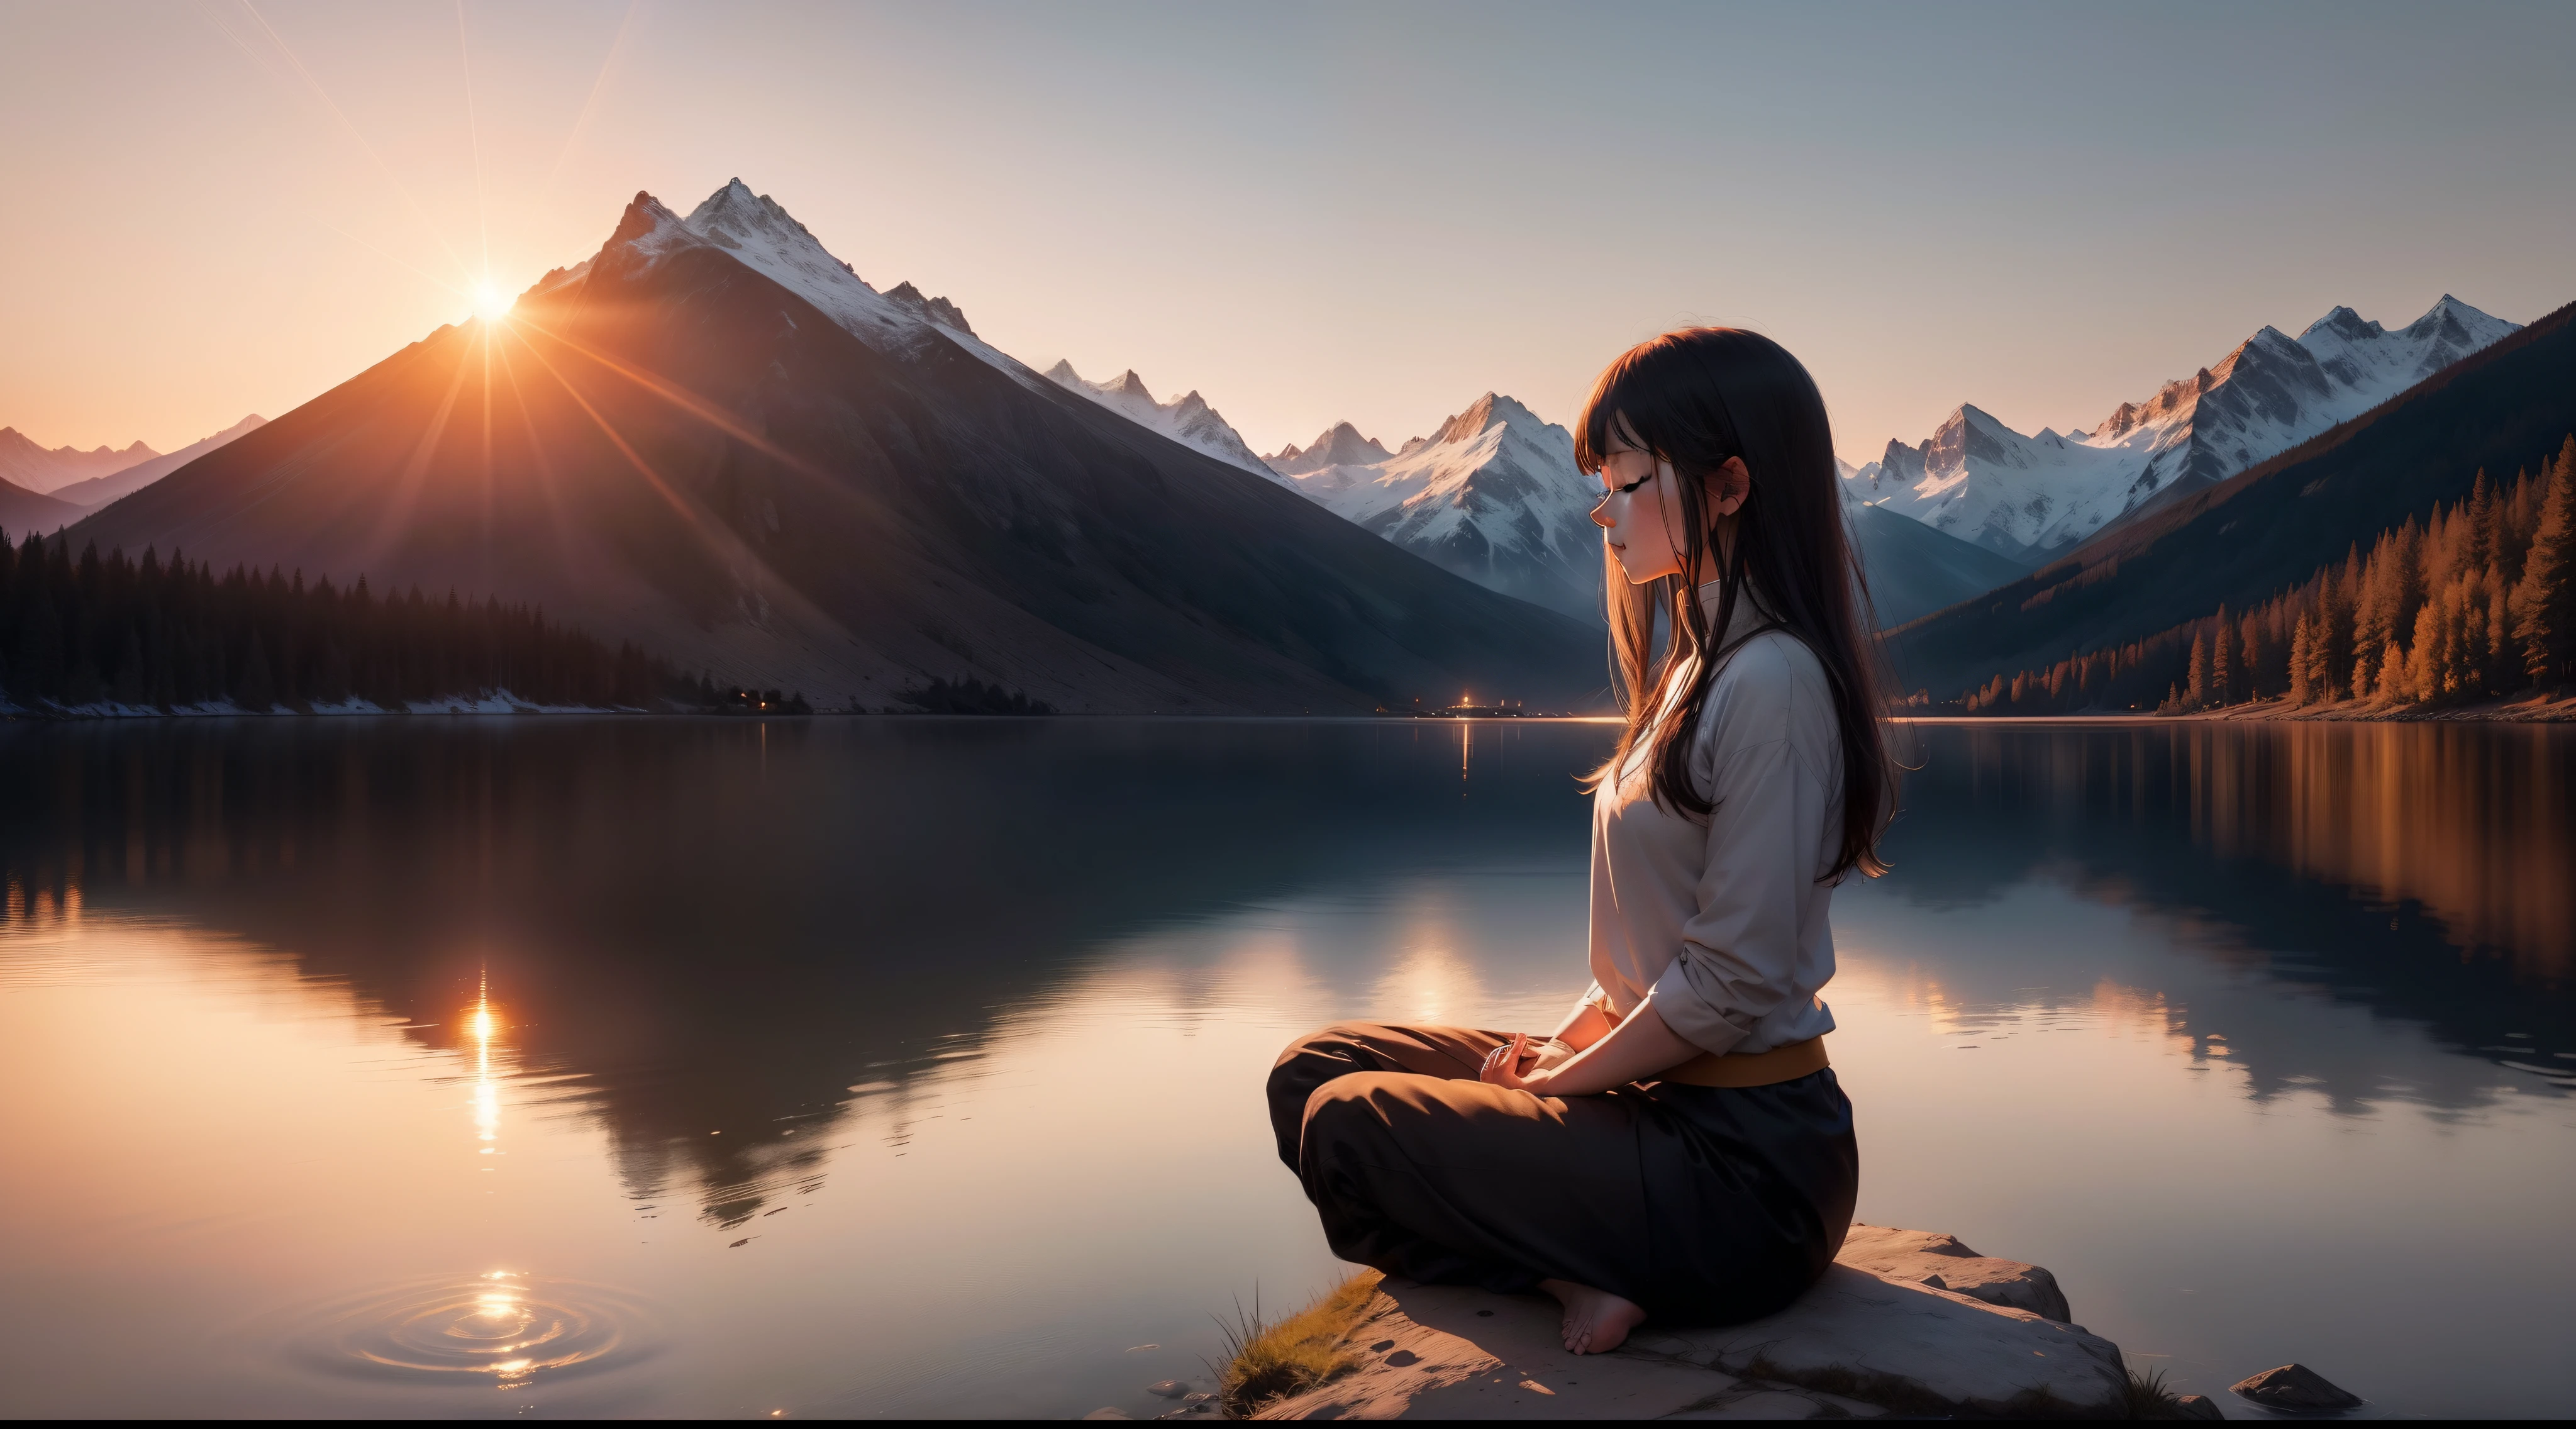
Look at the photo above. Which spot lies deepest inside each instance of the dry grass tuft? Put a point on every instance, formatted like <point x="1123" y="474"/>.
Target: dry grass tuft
<point x="2149" y="1398"/>
<point x="1270" y="1360"/>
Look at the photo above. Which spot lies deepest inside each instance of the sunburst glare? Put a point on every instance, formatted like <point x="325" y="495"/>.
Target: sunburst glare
<point x="490" y="303"/>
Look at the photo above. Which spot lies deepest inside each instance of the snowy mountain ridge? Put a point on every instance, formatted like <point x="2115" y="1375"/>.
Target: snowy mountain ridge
<point x="1492" y="495"/>
<point x="2030" y="497"/>
<point x="1340" y="445"/>
<point x="760" y="234"/>
<point x="1187" y="419"/>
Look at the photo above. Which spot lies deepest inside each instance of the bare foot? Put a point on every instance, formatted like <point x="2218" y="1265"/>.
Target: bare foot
<point x="1596" y="1321"/>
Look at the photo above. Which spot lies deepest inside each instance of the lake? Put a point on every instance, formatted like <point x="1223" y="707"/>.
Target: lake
<point x="913" y="1067"/>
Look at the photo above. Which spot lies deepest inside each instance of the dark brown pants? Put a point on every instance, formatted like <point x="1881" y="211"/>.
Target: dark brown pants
<point x="1699" y="1203"/>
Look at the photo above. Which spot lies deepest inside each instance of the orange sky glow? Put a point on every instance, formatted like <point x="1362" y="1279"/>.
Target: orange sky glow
<point x="229" y="206"/>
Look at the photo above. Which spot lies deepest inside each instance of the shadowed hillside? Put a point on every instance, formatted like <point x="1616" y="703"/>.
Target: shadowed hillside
<point x="673" y="446"/>
<point x="2270" y="528"/>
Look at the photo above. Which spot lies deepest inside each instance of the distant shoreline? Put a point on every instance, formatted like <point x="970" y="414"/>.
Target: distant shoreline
<point x="2522" y="709"/>
<point x="490" y="709"/>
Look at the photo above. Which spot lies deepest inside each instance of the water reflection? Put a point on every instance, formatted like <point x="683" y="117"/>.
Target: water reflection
<point x="2416" y="870"/>
<point x="481" y="1026"/>
<point x="710" y="934"/>
<point x="1010" y="988"/>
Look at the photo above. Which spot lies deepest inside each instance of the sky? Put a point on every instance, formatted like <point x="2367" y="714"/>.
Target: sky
<point x="1309" y="213"/>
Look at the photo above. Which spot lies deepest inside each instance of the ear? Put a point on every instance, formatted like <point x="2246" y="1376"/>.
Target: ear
<point x="1729" y="487"/>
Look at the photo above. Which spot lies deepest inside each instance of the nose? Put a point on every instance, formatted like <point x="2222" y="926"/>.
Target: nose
<point x="1601" y="512"/>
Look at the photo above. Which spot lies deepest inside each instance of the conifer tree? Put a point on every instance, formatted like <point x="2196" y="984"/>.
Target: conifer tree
<point x="257" y="693"/>
<point x="2544" y="600"/>
<point x="2301" y="647"/>
<point x="2391" y="689"/>
<point x="2222" y="661"/>
<point x="2250" y="636"/>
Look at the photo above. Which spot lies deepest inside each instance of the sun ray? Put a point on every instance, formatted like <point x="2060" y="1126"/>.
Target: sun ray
<point x="422" y="273"/>
<point x="474" y="140"/>
<point x="486" y="346"/>
<point x="360" y="139"/>
<point x="688" y="402"/>
<point x="406" y="493"/>
<point x="548" y="482"/>
<point x="598" y="85"/>
<point x="265" y="68"/>
<point x="678" y="503"/>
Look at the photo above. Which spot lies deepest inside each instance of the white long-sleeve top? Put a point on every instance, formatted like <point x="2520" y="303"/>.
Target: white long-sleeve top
<point x="1723" y="926"/>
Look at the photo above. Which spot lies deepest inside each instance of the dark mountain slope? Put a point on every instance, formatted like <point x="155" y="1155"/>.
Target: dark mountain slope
<point x="22" y="511"/>
<point x="2271" y="526"/>
<point x="670" y="447"/>
<point x="1915" y="569"/>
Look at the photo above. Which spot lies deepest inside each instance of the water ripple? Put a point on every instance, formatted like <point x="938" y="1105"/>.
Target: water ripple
<point x="500" y="1329"/>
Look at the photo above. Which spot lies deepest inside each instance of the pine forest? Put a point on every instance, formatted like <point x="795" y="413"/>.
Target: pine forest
<point x="2475" y="602"/>
<point x="93" y="631"/>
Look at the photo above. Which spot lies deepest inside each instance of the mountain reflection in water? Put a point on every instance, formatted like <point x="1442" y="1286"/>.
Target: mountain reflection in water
<point x="751" y="968"/>
<point x="718" y="925"/>
<point x="2420" y="870"/>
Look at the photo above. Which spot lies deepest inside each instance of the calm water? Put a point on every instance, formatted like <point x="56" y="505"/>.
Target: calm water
<point x="913" y="1067"/>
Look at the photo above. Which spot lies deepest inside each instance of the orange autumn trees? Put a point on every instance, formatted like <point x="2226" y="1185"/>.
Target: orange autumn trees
<point x="2474" y="601"/>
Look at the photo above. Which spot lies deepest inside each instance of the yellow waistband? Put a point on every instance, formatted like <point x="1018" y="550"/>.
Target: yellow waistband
<point x="1754" y="1069"/>
<point x="1739" y="1069"/>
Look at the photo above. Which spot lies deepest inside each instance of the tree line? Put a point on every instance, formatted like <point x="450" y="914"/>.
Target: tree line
<point x="86" y="630"/>
<point x="2475" y="601"/>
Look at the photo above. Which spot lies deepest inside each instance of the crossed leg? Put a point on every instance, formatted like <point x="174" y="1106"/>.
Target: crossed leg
<point x="1420" y="1170"/>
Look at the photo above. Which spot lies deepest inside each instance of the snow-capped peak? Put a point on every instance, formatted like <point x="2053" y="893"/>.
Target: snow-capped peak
<point x="2029" y="496"/>
<point x="756" y="231"/>
<point x="766" y="238"/>
<point x="2343" y="323"/>
<point x="938" y="310"/>
<point x="649" y="230"/>
<point x="1487" y="411"/>
<point x="1492" y="494"/>
<point x="1188" y="419"/>
<point x="1339" y="445"/>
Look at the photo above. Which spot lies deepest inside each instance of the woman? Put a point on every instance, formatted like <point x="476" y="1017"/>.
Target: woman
<point x="1679" y="1146"/>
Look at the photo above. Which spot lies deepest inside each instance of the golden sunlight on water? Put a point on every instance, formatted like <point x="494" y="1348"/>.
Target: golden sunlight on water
<point x="2470" y="822"/>
<point x="561" y="1089"/>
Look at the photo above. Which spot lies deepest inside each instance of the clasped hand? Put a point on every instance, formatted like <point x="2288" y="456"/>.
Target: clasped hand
<point x="1511" y="1065"/>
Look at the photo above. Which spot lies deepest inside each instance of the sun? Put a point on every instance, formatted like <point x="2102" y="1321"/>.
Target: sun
<point x="490" y="304"/>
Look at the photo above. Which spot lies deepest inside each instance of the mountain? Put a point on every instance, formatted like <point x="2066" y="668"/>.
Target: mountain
<point x="2502" y="408"/>
<point x="713" y="438"/>
<point x="1188" y="420"/>
<point x="22" y="511"/>
<point x="25" y="465"/>
<point x="1340" y="445"/>
<point x="1492" y="495"/>
<point x="2034" y="497"/>
<point x="100" y="490"/>
<point x="1915" y="570"/>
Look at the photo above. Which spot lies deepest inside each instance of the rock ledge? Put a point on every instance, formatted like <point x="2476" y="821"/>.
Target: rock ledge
<point x="1938" y="1330"/>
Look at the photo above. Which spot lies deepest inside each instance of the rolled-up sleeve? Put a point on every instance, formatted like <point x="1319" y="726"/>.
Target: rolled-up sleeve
<point x="1739" y="954"/>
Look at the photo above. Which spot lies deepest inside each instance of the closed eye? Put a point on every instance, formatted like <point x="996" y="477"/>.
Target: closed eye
<point x="1632" y="486"/>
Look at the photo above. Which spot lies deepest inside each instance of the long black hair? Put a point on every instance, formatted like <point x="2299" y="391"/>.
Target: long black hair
<point x="1694" y="398"/>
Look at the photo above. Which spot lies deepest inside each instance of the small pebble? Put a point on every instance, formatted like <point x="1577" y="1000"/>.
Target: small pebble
<point x="1167" y="1388"/>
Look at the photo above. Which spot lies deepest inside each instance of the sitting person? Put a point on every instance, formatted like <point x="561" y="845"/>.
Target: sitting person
<point x="1678" y="1146"/>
